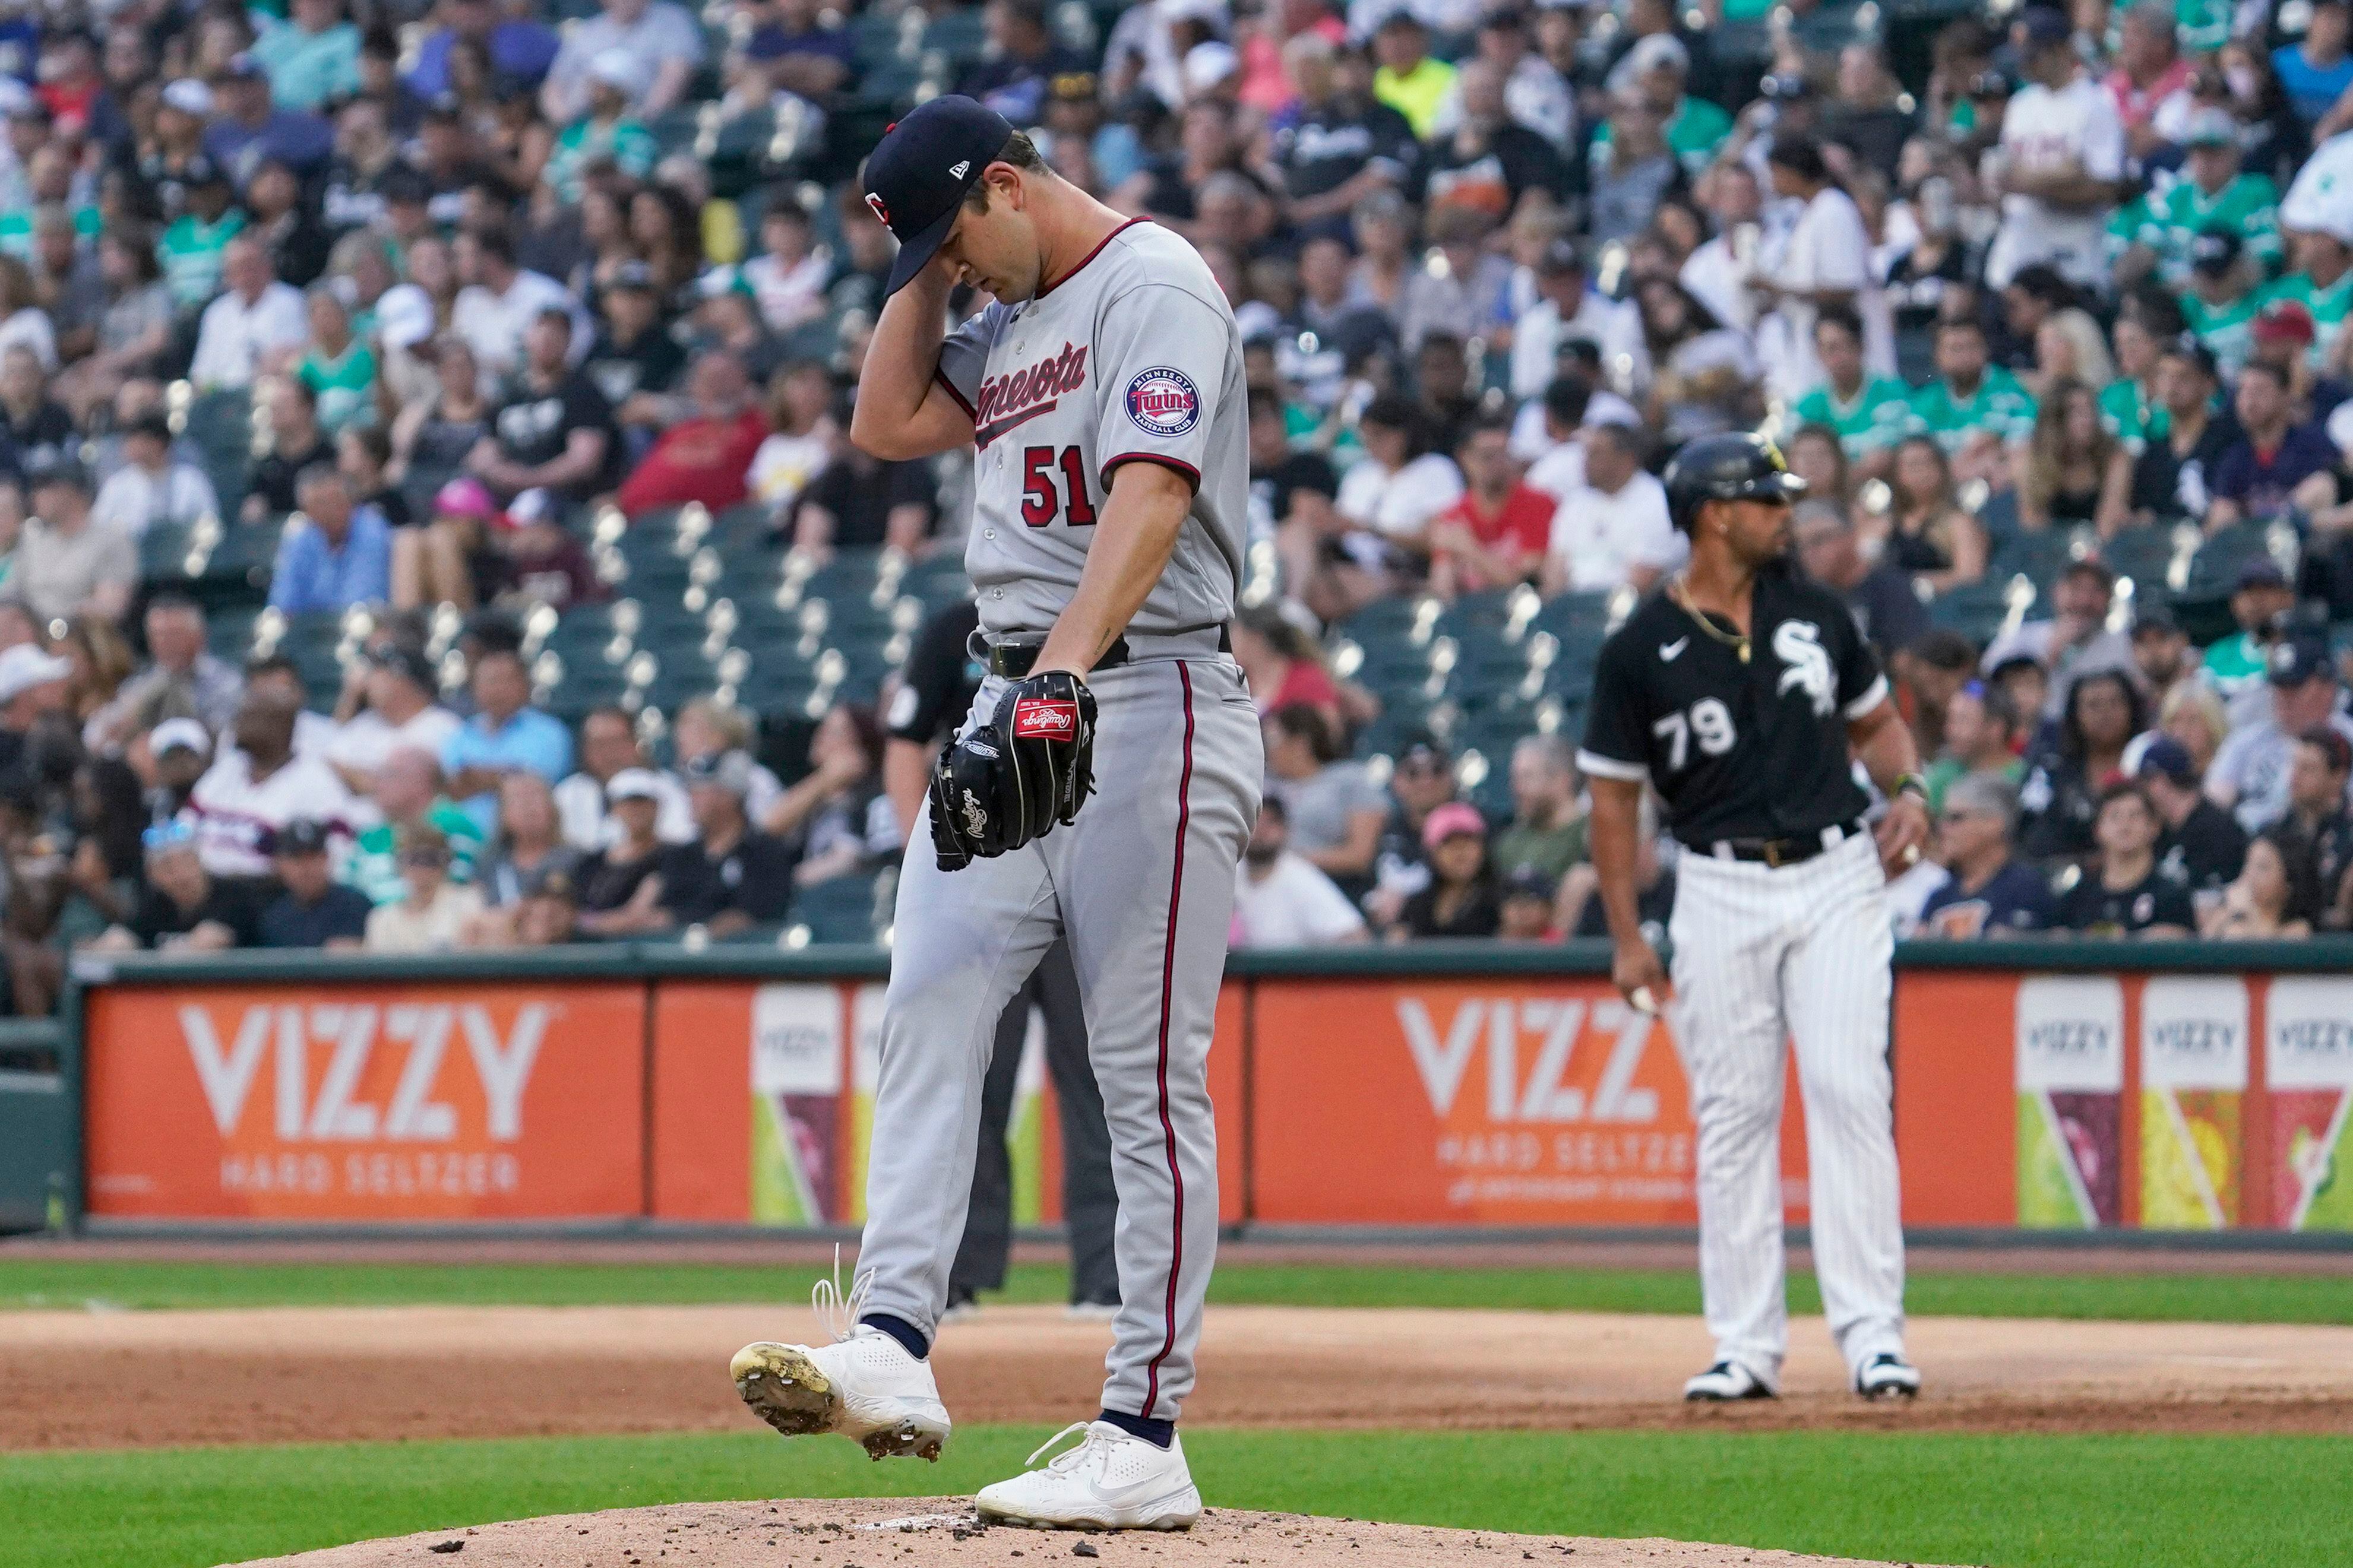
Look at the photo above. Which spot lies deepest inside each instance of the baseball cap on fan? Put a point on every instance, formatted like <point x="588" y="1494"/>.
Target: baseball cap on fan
<point x="918" y="175"/>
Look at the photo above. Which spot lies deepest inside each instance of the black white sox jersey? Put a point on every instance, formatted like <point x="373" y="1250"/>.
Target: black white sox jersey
<point x="1737" y="751"/>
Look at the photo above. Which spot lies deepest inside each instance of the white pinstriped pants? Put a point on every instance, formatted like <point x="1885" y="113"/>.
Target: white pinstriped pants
<point x="1763" y="954"/>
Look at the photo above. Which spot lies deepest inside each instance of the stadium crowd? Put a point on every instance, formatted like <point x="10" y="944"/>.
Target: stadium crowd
<point x="2048" y="312"/>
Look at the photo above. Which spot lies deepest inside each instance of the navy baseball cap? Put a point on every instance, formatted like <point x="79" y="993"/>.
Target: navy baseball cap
<point x="2168" y="759"/>
<point x="918" y="175"/>
<point x="2296" y="660"/>
<point x="2047" y="27"/>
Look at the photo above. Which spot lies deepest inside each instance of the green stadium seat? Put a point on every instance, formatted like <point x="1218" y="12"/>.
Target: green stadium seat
<point x="839" y="909"/>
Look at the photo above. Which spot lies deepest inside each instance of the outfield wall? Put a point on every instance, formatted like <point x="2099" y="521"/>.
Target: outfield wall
<point x="2049" y="1086"/>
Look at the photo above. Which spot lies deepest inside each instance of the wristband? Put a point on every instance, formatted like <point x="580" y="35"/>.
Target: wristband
<point x="1912" y="785"/>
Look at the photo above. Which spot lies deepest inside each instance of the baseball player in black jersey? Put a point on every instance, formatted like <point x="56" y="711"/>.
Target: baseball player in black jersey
<point x="936" y="691"/>
<point x="1740" y="691"/>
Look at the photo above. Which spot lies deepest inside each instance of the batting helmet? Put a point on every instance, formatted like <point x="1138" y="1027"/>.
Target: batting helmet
<point x="1727" y="468"/>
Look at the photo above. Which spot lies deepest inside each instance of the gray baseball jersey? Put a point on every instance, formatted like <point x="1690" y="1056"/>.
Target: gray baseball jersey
<point x="1132" y="357"/>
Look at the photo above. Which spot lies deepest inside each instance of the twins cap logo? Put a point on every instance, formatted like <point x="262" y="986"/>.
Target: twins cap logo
<point x="1046" y="719"/>
<point x="1162" y="401"/>
<point x="879" y="210"/>
<point x="956" y="173"/>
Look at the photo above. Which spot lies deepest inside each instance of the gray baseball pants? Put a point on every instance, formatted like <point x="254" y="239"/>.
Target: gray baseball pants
<point x="1142" y="884"/>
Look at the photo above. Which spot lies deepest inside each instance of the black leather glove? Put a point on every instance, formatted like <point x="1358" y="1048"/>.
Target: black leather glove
<point x="1030" y="766"/>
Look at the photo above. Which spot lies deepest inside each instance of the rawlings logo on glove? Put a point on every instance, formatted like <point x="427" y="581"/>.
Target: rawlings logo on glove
<point x="1028" y="766"/>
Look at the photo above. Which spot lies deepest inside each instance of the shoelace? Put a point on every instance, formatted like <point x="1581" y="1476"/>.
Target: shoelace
<point x="1070" y="1458"/>
<point x="836" y="1313"/>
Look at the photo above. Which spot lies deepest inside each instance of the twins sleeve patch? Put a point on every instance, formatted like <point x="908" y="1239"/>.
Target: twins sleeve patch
<point x="1045" y="718"/>
<point x="1162" y="401"/>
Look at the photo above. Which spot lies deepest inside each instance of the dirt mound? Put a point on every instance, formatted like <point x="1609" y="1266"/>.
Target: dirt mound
<point x="942" y="1533"/>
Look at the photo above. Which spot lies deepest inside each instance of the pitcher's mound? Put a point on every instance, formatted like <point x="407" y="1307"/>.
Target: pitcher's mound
<point x="942" y="1533"/>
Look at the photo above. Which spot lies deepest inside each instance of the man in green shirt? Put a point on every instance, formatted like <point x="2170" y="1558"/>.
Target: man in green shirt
<point x="408" y="791"/>
<point x="2212" y="193"/>
<point x="1974" y="408"/>
<point x="1870" y="412"/>
<point x="1658" y="66"/>
<point x="1547" y="830"/>
<point x="2323" y="284"/>
<point x="312" y="56"/>
<point x="607" y="131"/>
<point x="1980" y="737"/>
<point x="2221" y="304"/>
<point x="191" y="249"/>
<point x="2236" y="666"/>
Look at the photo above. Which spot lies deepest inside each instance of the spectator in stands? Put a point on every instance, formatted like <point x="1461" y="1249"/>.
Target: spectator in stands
<point x="556" y="431"/>
<point x="1930" y="533"/>
<point x="313" y="909"/>
<point x="547" y="914"/>
<point x="1547" y="830"/>
<point x="401" y="692"/>
<point x="1335" y="813"/>
<point x="1981" y="736"/>
<point x="1613" y="529"/>
<point x="36" y="426"/>
<point x="1975" y="409"/>
<point x="408" y="796"/>
<point x="803" y="437"/>
<point x="66" y="562"/>
<point x="2126" y="893"/>
<point x="297" y="443"/>
<point x="247" y="129"/>
<point x="433" y="436"/>
<point x="1870" y="412"/>
<point x="1525" y="907"/>
<point x="707" y="727"/>
<point x="1988" y="891"/>
<point x="860" y="501"/>
<point x="2063" y="153"/>
<point x="2170" y="478"/>
<point x="135" y="324"/>
<point x="433" y="912"/>
<point x="1285" y="665"/>
<point x="533" y="559"/>
<point x="1498" y="533"/>
<point x="621" y="882"/>
<point x="339" y="368"/>
<point x="1566" y="309"/>
<point x="1400" y="487"/>
<point x="2161" y="653"/>
<point x="606" y="132"/>
<point x="2276" y="894"/>
<point x="1281" y="898"/>
<point x="1422" y="780"/>
<point x="183" y="908"/>
<point x="1460" y="897"/>
<point x="2200" y="843"/>
<point x="608" y="747"/>
<point x="32" y="688"/>
<point x="2061" y="794"/>
<point x="260" y="783"/>
<point x="1880" y="597"/>
<point x="2235" y="665"/>
<point x="2076" y="641"/>
<point x="154" y="485"/>
<point x="2317" y="808"/>
<point x="705" y="457"/>
<point x="2250" y="774"/>
<point x="838" y="821"/>
<point x="1816" y="456"/>
<point x="2316" y="70"/>
<point x="731" y="876"/>
<point x="2276" y="463"/>
<point x="103" y="661"/>
<point x="336" y="555"/>
<point x="504" y="734"/>
<point x="500" y="303"/>
<point x="180" y="677"/>
<point x="1824" y="261"/>
<point x="255" y="325"/>
<point x="2069" y="473"/>
<point x="662" y="35"/>
<point x="530" y="843"/>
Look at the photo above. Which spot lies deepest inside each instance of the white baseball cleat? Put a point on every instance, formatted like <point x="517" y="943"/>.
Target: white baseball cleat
<point x="1111" y="1480"/>
<point x="864" y="1386"/>
<point x="1725" y="1381"/>
<point x="1887" y="1376"/>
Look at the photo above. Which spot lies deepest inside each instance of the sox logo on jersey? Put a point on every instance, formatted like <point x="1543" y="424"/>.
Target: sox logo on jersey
<point x="1799" y="645"/>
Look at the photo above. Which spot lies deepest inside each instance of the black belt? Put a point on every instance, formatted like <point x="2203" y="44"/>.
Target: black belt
<point x="1793" y="850"/>
<point x="1012" y="656"/>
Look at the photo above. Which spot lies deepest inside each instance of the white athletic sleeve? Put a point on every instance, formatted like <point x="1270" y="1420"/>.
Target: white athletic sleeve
<point x="1161" y="368"/>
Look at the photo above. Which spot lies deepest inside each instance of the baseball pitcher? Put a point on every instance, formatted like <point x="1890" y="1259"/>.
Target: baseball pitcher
<point x="1737" y="691"/>
<point x="1101" y="788"/>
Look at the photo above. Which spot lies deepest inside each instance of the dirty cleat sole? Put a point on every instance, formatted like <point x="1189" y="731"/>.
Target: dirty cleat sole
<point x="786" y="1387"/>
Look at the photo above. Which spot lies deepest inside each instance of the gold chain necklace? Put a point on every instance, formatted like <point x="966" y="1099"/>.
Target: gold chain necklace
<point x="1680" y="592"/>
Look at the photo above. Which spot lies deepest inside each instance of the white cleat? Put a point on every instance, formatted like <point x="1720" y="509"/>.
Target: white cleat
<point x="864" y="1386"/>
<point x="1725" y="1381"/>
<point x="1110" y="1481"/>
<point x="1887" y="1376"/>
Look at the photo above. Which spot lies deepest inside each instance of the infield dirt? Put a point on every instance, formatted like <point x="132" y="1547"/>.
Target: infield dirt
<point x="364" y="1374"/>
<point x="941" y="1532"/>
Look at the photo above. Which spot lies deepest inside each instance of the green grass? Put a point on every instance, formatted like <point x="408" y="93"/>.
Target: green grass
<point x="2151" y="1298"/>
<point x="2050" y="1502"/>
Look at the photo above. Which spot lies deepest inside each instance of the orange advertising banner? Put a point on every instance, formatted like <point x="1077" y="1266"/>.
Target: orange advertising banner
<point x="1502" y="1102"/>
<point x="358" y="1103"/>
